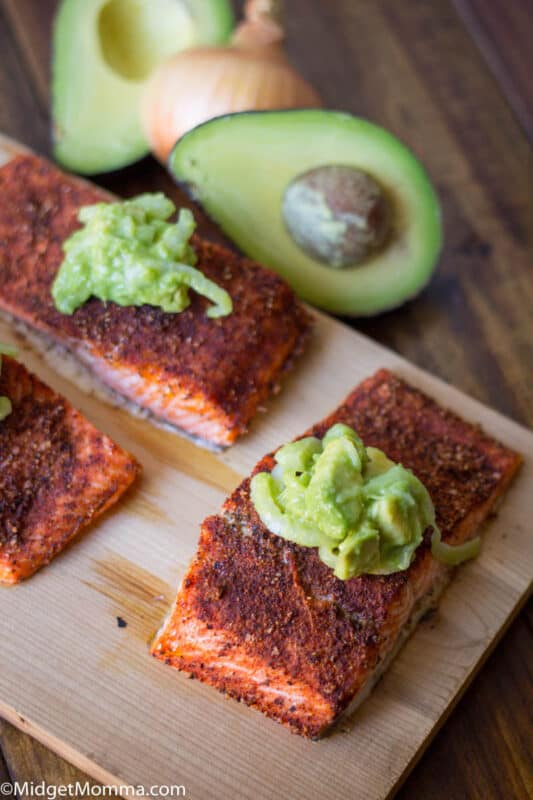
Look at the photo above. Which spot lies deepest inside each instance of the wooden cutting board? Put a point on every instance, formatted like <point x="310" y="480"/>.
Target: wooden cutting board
<point x="83" y="684"/>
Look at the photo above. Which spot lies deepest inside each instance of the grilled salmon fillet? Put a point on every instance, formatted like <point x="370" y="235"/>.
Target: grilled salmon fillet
<point x="57" y="473"/>
<point x="204" y="376"/>
<point x="267" y="622"/>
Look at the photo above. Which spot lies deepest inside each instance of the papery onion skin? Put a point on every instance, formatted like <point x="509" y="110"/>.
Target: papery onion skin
<point x="251" y="74"/>
<point x="200" y="84"/>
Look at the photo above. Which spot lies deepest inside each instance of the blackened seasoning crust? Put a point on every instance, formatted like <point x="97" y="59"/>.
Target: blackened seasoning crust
<point x="207" y="376"/>
<point x="266" y="621"/>
<point x="57" y="473"/>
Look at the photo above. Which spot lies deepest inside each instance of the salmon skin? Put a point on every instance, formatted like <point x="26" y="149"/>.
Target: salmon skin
<point x="57" y="473"/>
<point x="204" y="376"/>
<point x="267" y="622"/>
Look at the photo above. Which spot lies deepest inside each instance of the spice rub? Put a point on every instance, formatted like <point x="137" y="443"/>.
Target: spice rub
<point x="267" y="622"/>
<point x="204" y="376"/>
<point x="57" y="473"/>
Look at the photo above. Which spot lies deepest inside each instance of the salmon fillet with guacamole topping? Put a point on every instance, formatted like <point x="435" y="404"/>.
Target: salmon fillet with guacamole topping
<point x="267" y="621"/>
<point x="57" y="473"/>
<point x="204" y="376"/>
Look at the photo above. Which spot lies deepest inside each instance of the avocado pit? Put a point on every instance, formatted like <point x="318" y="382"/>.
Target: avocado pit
<point x="339" y="215"/>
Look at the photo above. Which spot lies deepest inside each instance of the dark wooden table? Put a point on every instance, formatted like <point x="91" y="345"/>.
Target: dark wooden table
<point x="451" y="79"/>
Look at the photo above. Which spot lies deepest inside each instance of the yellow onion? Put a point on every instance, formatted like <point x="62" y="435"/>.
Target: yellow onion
<point x="252" y="73"/>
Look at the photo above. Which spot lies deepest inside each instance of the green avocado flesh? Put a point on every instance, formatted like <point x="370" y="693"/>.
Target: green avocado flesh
<point x="5" y="402"/>
<point x="130" y="254"/>
<point x="241" y="165"/>
<point x="103" y="54"/>
<point x="364" y="513"/>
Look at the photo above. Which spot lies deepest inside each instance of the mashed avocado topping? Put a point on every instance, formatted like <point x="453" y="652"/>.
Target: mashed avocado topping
<point x="363" y="512"/>
<point x="128" y="253"/>
<point x="5" y="402"/>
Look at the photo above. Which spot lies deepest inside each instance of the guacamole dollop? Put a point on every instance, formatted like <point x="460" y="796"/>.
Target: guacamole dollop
<point x="363" y="512"/>
<point x="5" y="403"/>
<point x="128" y="253"/>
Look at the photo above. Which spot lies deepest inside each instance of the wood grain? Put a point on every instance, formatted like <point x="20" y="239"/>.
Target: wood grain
<point x="502" y="29"/>
<point x="414" y="69"/>
<point x="27" y="759"/>
<point x="5" y="777"/>
<point x="430" y="87"/>
<point x="86" y="687"/>
<point x="479" y="762"/>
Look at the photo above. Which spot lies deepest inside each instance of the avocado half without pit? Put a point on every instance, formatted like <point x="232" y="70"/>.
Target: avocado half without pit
<point x="103" y="53"/>
<point x="335" y="204"/>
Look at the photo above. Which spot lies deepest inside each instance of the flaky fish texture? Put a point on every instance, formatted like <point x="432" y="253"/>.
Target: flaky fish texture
<point x="267" y="622"/>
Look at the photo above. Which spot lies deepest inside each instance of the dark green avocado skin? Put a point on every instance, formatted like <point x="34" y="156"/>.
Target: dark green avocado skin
<point x="239" y="166"/>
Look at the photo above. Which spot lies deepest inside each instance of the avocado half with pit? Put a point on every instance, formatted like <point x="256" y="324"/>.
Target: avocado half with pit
<point x="103" y="53"/>
<point x="336" y="205"/>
